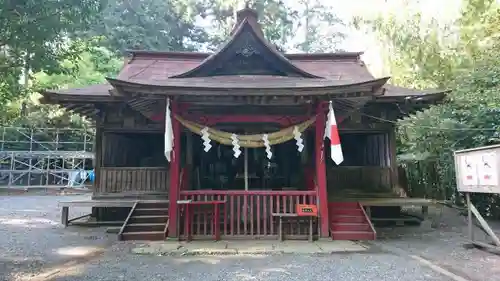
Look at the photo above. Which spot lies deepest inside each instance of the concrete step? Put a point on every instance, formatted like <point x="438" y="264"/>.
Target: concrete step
<point x="150" y="211"/>
<point x="148" y="219"/>
<point x="351" y="227"/>
<point x="353" y="235"/>
<point x="144" y="227"/>
<point x="149" y="236"/>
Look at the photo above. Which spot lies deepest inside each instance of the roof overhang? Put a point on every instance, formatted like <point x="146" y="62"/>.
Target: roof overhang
<point x="250" y="87"/>
<point x="85" y="105"/>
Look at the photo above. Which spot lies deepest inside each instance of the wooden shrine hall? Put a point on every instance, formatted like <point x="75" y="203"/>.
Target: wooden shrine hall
<point x="243" y="130"/>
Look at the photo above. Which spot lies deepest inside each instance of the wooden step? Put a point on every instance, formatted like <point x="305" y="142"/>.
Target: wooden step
<point x="152" y="204"/>
<point x="347" y="219"/>
<point x="150" y="236"/>
<point x="150" y="211"/>
<point x="148" y="219"/>
<point x="343" y="205"/>
<point x="353" y="235"/>
<point x="144" y="227"/>
<point x="348" y="212"/>
<point x="350" y="227"/>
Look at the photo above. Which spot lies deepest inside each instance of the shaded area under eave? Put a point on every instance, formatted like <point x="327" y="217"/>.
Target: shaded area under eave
<point x="247" y="86"/>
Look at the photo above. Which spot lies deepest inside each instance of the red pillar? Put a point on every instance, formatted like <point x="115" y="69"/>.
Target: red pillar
<point x="321" y="171"/>
<point x="175" y="166"/>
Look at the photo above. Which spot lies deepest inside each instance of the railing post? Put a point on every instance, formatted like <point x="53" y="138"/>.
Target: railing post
<point x="321" y="171"/>
<point x="174" y="174"/>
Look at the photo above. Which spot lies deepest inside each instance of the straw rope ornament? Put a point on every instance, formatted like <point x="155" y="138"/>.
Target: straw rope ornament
<point x="248" y="141"/>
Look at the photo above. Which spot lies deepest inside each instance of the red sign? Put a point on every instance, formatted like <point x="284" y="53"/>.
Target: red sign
<point x="307" y="210"/>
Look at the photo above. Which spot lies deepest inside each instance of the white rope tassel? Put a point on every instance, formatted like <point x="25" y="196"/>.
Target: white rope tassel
<point x="298" y="138"/>
<point x="205" y="136"/>
<point x="265" y="138"/>
<point x="236" y="146"/>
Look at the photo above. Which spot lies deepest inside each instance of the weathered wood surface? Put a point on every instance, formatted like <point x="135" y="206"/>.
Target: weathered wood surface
<point x="98" y="203"/>
<point x="359" y="178"/>
<point x="124" y="179"/>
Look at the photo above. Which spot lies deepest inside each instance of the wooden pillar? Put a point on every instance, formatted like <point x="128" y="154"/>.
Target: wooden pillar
<point x="393" y="162"/>
<point x="175" y="167"/>
<point x="97" y="163"/>
<point x="321" y="171"/>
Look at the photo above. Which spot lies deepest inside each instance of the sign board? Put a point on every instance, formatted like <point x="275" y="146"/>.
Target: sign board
<point x="477" y="169"/>
<point x="307" y="210"/>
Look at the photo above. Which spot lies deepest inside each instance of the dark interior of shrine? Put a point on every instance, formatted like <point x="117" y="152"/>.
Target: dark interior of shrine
<point x="218" y="169"/>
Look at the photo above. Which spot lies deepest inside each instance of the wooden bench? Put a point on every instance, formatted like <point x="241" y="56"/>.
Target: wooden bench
<point x="95" y="203"/>
<point x="282" y="216"/>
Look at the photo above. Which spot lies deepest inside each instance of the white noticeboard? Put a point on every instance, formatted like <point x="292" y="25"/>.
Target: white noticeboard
<point x="477" y="170"/>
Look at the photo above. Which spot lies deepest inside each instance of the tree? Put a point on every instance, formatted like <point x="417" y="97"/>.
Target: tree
<point x="34" y="36"/>
<point x="276" y="18"/>
<point x="92" y="67"/>
<point x="154" y="25"/>
<point x="321" y="27"/>
<point x="462" y="58"/>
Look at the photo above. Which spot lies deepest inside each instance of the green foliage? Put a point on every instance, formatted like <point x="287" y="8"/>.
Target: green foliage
<point x="321" y="27"/>
<point x="461" y="56"/>
<point x="154" y="25"/>
<point x="276" y="18"/>
<point x="90" y="68"/>
<point x="34" y="37"/>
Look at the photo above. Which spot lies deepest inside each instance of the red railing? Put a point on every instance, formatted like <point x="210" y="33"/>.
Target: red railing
<point x="248" y="213"/>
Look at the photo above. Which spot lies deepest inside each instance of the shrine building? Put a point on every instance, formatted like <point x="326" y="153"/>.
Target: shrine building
<point x="235" y="140"/>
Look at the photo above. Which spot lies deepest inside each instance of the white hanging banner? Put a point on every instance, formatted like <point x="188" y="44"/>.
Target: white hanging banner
<point x="236" y="146"/>
<point x="205" y="136"/>
<point x="298" y="138"/>
<point x="331" y="132"/>
<point x="269" y="153"/>
<point x="169" y="133"/>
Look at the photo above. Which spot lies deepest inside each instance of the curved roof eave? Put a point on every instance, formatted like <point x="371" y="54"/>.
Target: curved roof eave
<point x="324" y="85"/>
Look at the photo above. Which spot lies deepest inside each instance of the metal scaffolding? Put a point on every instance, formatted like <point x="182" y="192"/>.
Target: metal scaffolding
<point x="45" y="157"/>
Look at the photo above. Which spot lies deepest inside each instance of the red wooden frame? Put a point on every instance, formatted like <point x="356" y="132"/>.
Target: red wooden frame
<point x="175" y="169"/>
<point x="245" y="213"/>
<point x="320" y="194"/>
<point x="211" y="120"/>
<point x="321" y="170"/>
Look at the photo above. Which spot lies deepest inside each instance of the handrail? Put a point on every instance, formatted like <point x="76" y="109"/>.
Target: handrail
<point x="249" y="192"/>
<point x="165" y="230"/>
<point x="369" y="221"/>
<point x="120" y="233"/>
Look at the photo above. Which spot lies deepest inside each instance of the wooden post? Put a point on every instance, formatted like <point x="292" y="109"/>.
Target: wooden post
<point x="392" y="159"/>
<point x="469" y="217"/>
<point x="174" y="174"/>
<point x="245" y="151"/>
<point x="321" y="171"/>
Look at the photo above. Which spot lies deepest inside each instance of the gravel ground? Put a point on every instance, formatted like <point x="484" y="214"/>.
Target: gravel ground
<point x="32" y="240"/>
<point x="445" y="246"/>
<point x="32" y="237"/>
<point x="352" y="267"/>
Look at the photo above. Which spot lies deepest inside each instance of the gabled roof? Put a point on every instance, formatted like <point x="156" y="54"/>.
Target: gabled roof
<point x="246" y="52"/>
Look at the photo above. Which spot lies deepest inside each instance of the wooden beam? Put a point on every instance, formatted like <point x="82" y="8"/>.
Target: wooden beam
<point x="175" y="168"/>
<point x="211" y="120"/>
<point x="321" y="171"/>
